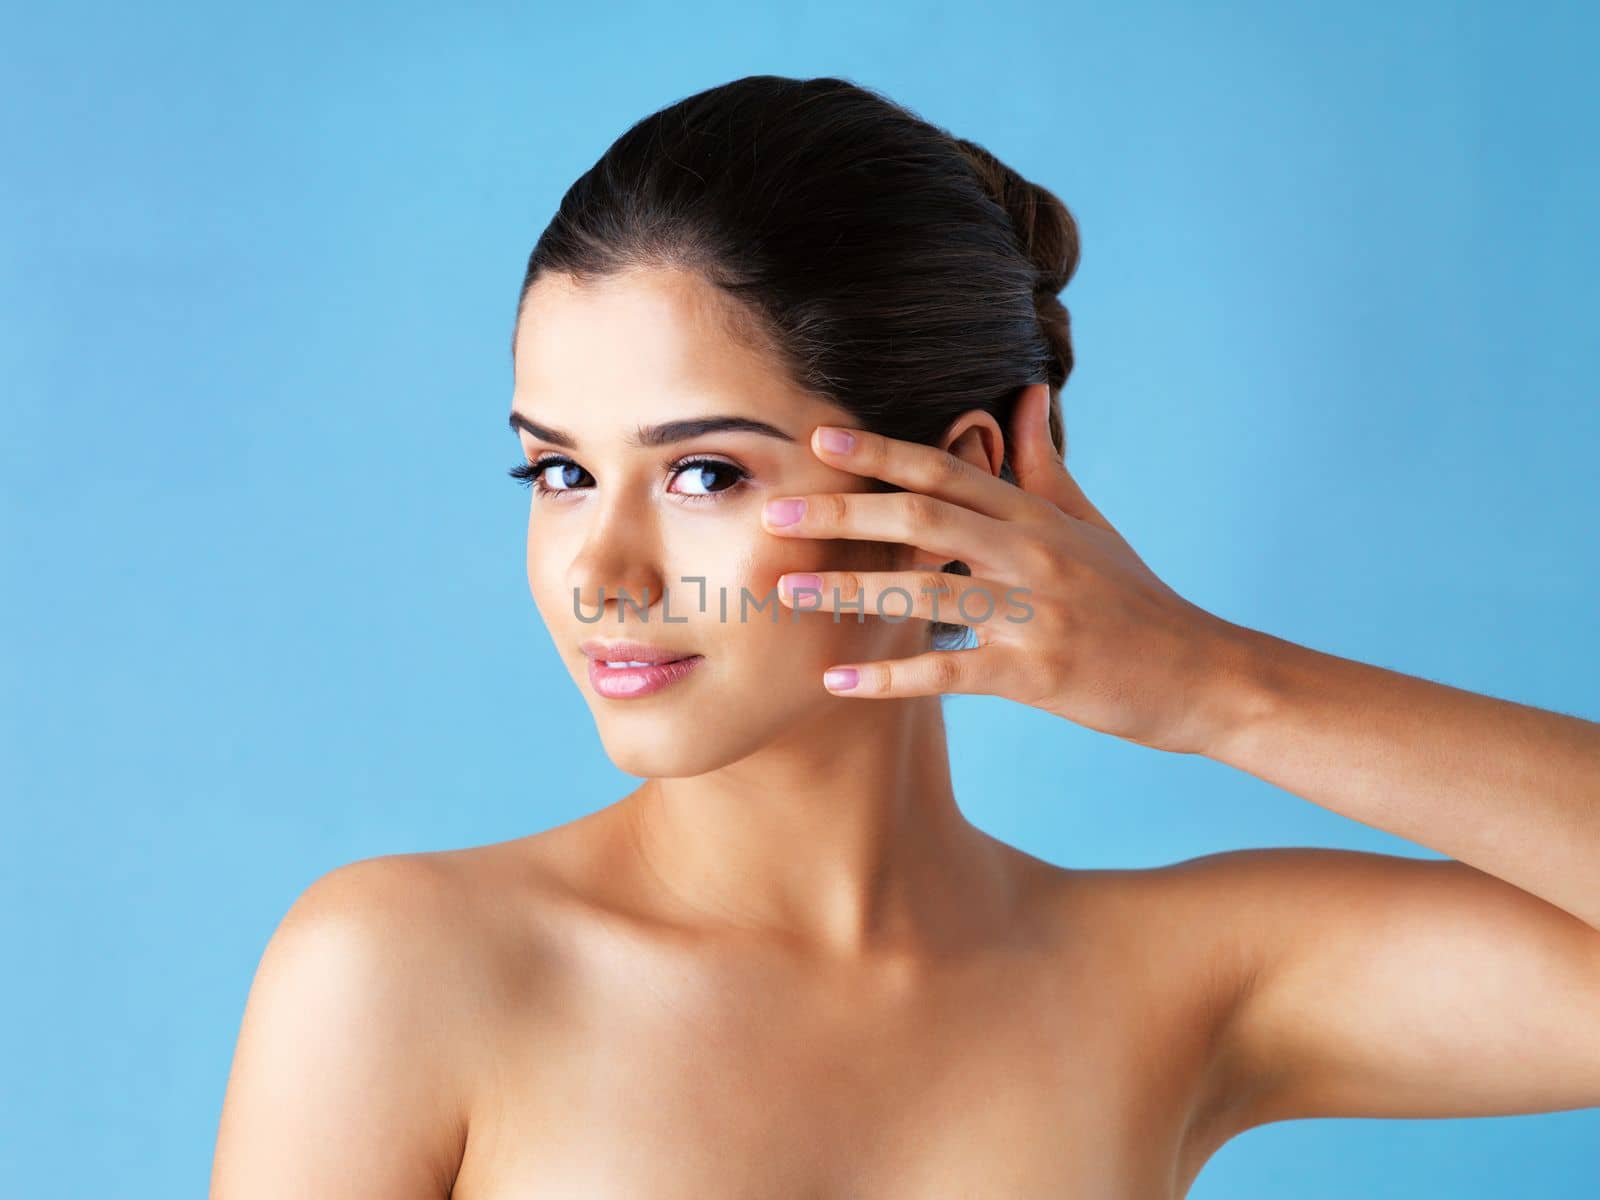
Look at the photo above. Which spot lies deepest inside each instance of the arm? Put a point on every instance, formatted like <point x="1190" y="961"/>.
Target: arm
<point x="1512" y="790"/>
<point x="341" y="1083"/>
<point x="1386" y="986"/>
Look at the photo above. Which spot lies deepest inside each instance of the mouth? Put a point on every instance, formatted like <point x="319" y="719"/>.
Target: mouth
<point x="623" y="670"/>
<point x="630" y="679"/>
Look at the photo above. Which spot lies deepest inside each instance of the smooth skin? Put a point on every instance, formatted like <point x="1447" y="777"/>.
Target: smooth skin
<point x="785" y="965"/>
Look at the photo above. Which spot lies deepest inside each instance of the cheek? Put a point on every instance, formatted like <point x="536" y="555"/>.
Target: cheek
<point x="727" y="556"/>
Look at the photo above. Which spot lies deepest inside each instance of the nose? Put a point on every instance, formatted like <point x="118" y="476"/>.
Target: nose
<point x="617" y="573"/>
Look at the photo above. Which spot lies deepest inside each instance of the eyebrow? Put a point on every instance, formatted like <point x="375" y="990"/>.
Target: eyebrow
<point x="658" y="435"/>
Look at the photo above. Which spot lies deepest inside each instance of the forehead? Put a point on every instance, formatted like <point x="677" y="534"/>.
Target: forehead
<point x="647" y="337"/>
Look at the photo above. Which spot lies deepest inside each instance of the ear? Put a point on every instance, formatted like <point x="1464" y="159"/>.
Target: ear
<point x="976" y="437"/>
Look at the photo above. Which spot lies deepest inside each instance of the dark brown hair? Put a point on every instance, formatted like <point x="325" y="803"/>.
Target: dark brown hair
<point x="897" y="271"/>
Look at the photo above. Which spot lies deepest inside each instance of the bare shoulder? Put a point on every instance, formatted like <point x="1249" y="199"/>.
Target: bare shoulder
<point x="366" y="1030"/>
<point x="378" y="894"/>
<point x="470" y="933"/>
<point x="416" y="917"/>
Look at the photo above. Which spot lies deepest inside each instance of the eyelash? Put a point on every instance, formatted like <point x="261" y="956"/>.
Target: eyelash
<point x="531" y="475"/>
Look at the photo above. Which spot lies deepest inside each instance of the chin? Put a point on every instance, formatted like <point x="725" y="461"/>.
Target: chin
<point x="674" y="747"/>
<point x="652" y="761"/>
<point x="676" y="737"/>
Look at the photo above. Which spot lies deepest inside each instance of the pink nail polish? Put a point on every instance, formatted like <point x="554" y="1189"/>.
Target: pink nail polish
<point x="785" y="512"/>
<point x="839" y="679"/>
<point x="838" y="441"/>
<point x="810" y="584"/>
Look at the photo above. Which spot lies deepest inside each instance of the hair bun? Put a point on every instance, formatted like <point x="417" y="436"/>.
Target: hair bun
<point x="1047" y="233"/>
<point x="1046" y="229"/>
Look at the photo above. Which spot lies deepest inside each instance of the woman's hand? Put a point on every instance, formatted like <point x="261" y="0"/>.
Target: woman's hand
<point x="1106" y="644"/>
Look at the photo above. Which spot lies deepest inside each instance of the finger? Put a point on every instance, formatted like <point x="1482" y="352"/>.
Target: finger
<point x="919" y="468"/>
<point x="943" y="530"/>
<point x="977" y="671"/>
<point x="1036" y="461"/>
<point x="898" y="595"/>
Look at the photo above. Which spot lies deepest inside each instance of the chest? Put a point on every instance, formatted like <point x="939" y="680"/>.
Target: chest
<point x="663" y="1083"/>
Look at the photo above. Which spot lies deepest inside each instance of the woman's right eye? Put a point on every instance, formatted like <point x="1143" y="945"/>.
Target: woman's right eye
<point x="538" y="474"/>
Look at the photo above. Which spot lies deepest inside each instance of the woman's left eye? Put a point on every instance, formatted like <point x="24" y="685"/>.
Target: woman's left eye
<point x="715" y="467"/>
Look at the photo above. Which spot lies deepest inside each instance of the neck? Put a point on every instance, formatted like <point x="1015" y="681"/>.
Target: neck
<point x="843" y="836"/>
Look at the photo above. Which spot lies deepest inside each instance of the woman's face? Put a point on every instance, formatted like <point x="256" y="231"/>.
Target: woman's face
<point x="674" y="522"/>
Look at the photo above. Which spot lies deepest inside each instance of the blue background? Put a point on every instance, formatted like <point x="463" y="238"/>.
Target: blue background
<point x="264" y="602"/>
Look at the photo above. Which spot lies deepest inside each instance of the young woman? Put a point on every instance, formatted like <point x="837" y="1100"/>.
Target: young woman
<point x="785" y="965"/>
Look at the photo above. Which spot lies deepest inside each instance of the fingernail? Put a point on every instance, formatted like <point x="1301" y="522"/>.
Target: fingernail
<point x="836" y="441"/>
<point x="785" y="512"/>
<point x="839" y="679"/>
<point x="794" y="583"/>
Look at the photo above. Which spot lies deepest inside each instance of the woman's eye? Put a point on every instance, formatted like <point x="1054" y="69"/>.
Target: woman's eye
<point x="552" y="473"/>
<point x="698" y="470"/>
<point x="562" y="476"/>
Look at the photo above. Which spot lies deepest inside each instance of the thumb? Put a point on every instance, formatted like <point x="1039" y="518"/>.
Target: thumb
<point x="1036" y="461"/>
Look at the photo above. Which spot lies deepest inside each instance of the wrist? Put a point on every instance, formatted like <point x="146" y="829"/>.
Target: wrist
<point x="1241" y="695"/>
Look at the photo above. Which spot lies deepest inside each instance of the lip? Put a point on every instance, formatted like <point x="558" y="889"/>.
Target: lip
<point x="665" y="667"/>
<point x="630" y="683"/>
<point x="600" y="649"/>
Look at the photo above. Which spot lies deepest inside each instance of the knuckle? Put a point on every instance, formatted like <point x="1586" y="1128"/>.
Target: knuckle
<point x="921" y="510"/>
<point x="833" y="509"/>
<point x="934" y="583"/>
<point x="945" y="469"/>
<point x="944" y="671"/>
<point x="871" y="451"/>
